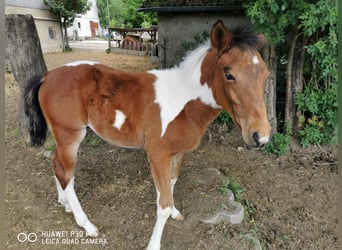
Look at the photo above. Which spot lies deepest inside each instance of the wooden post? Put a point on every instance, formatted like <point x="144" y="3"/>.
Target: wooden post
<point x="25" y="55"/>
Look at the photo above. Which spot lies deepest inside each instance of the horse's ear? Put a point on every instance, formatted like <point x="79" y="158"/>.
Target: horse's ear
<point x="220" y="37"/>
<point x="261" y="40"/>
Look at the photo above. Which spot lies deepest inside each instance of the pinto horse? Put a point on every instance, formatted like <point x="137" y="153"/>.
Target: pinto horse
<point x="164" y="111"/>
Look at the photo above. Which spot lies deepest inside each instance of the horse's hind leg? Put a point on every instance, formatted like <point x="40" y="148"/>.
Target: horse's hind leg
<point x="64" y="161"/>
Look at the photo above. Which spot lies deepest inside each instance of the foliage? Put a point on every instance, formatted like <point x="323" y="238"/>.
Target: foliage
<point x="224" y="118"/>
<point x="318" y="121"/>
<point x="68" y="8"/>
<point x="232" y="185"/>
<point x="279" y="143"/>
<point x="198" y="39"/>
<point x="116" y="8"/>
<point x="123" y="13"/>
<point x="274" y="17"/>
<point x="318" y="102"/>
<point x="317" y="20"/>
<point x="250" y="209"/>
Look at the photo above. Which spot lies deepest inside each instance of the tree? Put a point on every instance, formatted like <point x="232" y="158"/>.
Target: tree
<point x="123" y="13"/>
<point x="25" y="55"/>
<point x="116" y="9"/>
<point x="67" y="10"/>
<point x="308" y="30"/>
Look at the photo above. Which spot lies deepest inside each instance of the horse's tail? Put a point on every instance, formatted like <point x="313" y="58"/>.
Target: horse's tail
<point x="37" y="122"/>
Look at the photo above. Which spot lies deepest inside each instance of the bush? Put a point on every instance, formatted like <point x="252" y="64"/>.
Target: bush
<point x="224" y="118"/>
<point x="198" y="39"/>
<point x="318" y="119"/>
<point x="278" y="145"/>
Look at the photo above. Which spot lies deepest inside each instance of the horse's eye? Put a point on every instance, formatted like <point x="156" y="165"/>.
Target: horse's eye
<point x="229" y="76"/>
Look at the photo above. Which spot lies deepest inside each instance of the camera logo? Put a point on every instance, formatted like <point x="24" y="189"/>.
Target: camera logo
<point x="30" y="237"/>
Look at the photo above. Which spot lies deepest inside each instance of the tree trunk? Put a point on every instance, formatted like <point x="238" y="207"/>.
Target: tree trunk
<point x="297" y="76"/>
<point x="289" y="110"/>
<point x="66" y="35"/>
<point x="294" y="78"/>
<point x="25" y="56"/>
<point x="269" y="55"/>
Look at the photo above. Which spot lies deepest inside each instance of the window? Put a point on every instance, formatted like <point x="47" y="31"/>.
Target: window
<point x="79" y="25"/>
<point x="52" y="33"/>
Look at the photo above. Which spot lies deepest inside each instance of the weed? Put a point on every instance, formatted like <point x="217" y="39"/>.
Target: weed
<point x="279" y="143"/>
<point x="250" y="210"/>
<point x="50" y="143"/>
<point x="198" y="39"/>
<point x="224" y="118"/>
<point x="250" y="235"/>
<point x="92" y="140"/>
<point x="234" y="186"/>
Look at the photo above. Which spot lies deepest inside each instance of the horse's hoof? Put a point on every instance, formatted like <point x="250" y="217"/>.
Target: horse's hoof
<point x="179" y="217"/>
<point x="91" y="230"/>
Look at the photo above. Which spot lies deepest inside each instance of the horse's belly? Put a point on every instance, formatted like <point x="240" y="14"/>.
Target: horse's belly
<point x="123" y="138"/>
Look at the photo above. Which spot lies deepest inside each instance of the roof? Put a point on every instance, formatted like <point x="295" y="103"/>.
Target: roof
<point x="191" y="6"/>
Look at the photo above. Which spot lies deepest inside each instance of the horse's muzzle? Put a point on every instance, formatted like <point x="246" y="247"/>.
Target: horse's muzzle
<point x="259" y="141"/>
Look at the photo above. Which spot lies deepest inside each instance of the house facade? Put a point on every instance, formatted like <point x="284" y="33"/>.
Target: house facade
<point x="86" y="25"/>
<point x="180" y="20"/>
<point x="47" y="24"/>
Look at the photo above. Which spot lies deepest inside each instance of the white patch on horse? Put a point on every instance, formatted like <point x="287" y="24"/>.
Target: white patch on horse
<point x="175" y="87"/>
<point x="255" y="59"/>
<point x="263" y="140"/>
<point x="75" y="206"/>
<point x="119" y="119"/>
<point x="62" y="199"/>
<point x="76" y="63"/>
<point x="162" y="216"/>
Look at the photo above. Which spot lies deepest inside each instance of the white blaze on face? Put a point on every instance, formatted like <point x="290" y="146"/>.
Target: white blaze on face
<point x="119" y="119"/>
<point x="76" y="63"/>
<point x="255" y="59"/>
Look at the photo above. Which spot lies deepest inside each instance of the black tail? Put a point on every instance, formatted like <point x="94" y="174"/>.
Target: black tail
<point x="37" y="122"/>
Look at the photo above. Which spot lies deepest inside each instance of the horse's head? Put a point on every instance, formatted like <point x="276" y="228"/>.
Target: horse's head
<point x="235" y="71"/>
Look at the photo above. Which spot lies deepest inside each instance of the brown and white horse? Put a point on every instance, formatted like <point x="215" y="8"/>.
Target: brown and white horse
<point x="164" y="111"/>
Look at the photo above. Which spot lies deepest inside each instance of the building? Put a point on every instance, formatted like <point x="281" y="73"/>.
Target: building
<point x="86" y="25"/>
<point x="180" y="20"/>
<point x="47" y="24"/>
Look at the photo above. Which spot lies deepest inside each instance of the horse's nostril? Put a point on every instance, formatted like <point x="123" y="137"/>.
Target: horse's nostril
<point x="256" y="138"/>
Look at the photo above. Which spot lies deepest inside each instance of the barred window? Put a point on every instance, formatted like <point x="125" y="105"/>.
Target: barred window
<point x="52" y="33"/>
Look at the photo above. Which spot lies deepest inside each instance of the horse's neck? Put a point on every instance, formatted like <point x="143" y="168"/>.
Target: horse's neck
<point x="200" y="114"/>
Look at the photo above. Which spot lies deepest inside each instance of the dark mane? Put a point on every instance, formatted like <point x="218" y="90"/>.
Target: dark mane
<point x="245" y="37"/>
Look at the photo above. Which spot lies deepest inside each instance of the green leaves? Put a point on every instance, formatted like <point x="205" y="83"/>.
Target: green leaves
<point x="68" y="8"/>
<point x="123" y="13"/>
<point x="318" y="122"/>
<point x="278" y="145"/>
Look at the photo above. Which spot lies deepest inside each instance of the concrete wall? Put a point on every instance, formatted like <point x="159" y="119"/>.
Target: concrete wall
<point x="46" y="24"/>
<point x="175" y="28"/>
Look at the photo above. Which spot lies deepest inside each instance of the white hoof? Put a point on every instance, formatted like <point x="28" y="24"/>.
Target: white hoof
<point x="176" y="215"/>
<point x="91" y="230"/>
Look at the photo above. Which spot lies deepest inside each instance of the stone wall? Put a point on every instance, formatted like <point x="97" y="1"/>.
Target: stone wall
<point x="173" y="28"/>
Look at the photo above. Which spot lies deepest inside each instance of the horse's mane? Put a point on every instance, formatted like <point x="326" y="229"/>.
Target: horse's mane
<point x="245" y="37"/>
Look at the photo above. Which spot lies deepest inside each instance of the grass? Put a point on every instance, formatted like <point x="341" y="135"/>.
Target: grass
<point x="232" y="185"/>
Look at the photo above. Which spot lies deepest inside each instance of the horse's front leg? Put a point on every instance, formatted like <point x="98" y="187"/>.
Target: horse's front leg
<point x="160" y="164"/>
<point x="176" y="161"/>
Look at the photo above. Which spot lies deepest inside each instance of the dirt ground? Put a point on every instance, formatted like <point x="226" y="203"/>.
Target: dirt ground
<point x="290" y="201"/>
